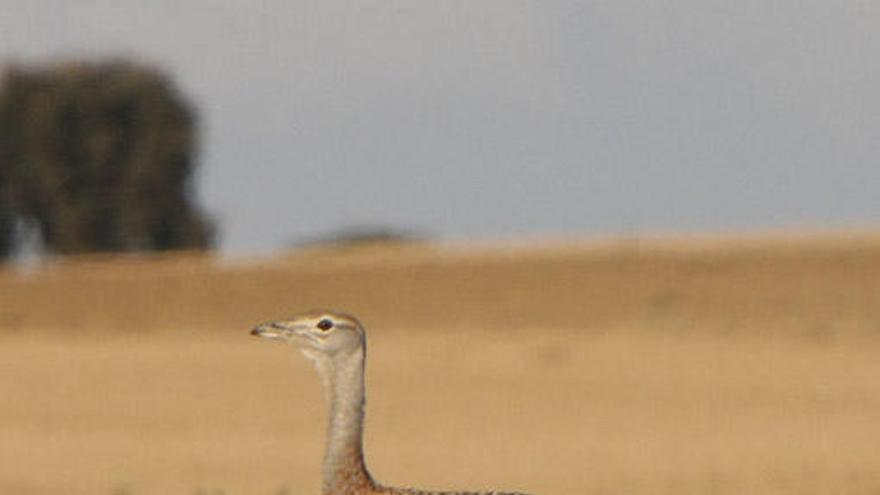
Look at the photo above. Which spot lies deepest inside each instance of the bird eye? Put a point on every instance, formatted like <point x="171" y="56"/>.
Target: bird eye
<point x="325" y="324"/>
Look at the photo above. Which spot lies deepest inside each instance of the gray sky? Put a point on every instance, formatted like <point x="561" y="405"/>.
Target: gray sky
<point x="502" y="118"/>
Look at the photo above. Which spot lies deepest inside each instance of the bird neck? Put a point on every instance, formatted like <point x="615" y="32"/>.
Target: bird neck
<point x="344" y="468"/>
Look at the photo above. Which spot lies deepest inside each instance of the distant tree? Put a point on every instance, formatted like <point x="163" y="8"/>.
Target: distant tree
<point x="360" y="236"/>
<point x="7" y="218"/>
<point x="100" y="158"/>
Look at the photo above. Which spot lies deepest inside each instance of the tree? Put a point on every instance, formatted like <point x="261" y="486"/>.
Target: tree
<point x="100" y="158"/>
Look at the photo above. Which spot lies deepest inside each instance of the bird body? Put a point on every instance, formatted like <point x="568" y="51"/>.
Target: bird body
<point x="336" y="345"/>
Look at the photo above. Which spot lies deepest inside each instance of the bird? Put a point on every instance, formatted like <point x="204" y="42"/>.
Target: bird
<point x="336" y="344"/>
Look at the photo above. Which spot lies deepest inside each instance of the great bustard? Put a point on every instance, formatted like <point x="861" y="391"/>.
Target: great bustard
<point x="336" y="345"/>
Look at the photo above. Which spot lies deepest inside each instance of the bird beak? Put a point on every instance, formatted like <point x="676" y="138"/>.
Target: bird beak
<point x="272" y="331"/>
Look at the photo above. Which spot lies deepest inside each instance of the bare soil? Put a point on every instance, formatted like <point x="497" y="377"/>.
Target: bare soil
<point x="635" y="366"/>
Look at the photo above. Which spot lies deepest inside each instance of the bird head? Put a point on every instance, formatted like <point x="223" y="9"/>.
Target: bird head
<point x="317" y="333"/>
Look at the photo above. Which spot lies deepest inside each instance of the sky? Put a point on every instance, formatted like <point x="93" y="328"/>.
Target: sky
<point x="504" y="119"/>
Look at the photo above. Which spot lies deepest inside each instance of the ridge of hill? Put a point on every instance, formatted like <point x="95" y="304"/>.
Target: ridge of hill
<point x="809" y="284"/>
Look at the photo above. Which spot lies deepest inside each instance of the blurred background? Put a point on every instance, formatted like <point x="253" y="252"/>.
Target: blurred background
<point x="598" y="246"/>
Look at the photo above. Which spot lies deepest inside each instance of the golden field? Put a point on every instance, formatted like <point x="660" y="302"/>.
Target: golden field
<point x="652" y="366"/>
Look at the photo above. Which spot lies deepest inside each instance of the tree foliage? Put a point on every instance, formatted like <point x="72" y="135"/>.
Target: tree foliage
<point x="98" y="157"/>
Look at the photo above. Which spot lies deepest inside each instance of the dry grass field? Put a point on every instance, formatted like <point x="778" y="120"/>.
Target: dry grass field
<point x="687" y="366"/>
